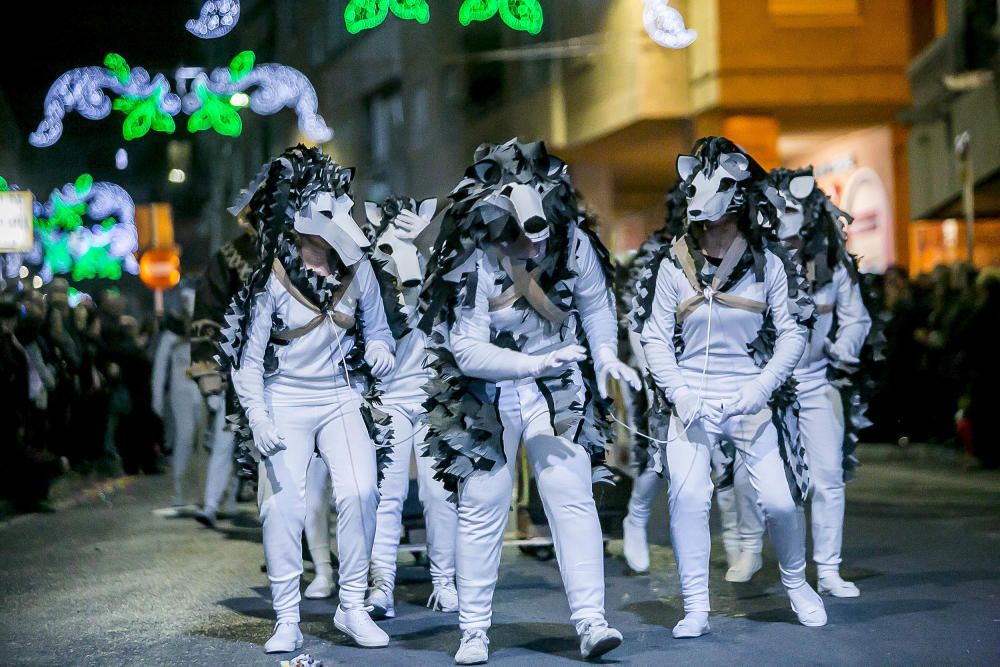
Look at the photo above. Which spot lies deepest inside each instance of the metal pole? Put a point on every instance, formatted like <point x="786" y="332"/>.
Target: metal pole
<point x="963" y="152"/>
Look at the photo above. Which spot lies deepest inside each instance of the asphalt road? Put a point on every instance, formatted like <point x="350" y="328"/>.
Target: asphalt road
<point x="112" y="582"/>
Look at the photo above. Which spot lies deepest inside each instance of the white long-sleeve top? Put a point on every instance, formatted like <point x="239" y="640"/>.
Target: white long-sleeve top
<point x="470" y="337"/>
<point x="170" y="364"/>
<point x="406" y="384"/>
<point x="729" y="362"/>
<point x="842" y="297"/>
<point x="311" y="367"/>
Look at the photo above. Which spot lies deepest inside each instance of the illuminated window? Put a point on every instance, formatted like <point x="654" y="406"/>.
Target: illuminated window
<point x="815" y="13"/>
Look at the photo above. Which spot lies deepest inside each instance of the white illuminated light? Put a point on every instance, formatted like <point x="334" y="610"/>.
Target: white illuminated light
<point x="240" y="100"/>
<point x="176" y="176"/>
<point x="36" y="282"/>
<point x="23" y="272"/>
<point x="665" y="25"/>
<point x="121" y="159"/>
<point x="217" y="18"/>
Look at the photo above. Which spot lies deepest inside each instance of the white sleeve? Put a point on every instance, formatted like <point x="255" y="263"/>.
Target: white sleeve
<point x="594" y="299"/>
<point x="475" y="355"/>
<point x="791" y="336"/>
<point x="657" y="336"/>
<point x="853" y="321"/>
<point x="375" y="323"/>
<point x="248" y="379"/>
<point x="161" y="369"/>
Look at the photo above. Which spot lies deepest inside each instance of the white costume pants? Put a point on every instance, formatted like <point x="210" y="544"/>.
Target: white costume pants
<point x="440" y="514"/>
<point x="821" y="427"/>
<point x="185" y="412"/>
<point x="741" y="514"/>
<point x="220" y="482"/>
<point x="644" y="489"/>
<point x="689" y="457"/>
<point x="562" y="472"/>
<point x="338" y="431"/>
<point x="821" y="421"/>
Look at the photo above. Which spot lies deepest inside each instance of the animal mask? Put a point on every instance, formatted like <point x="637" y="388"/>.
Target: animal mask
<point x="794" y="193"/>
<point x="330" y="219"/>
<point x="711" y="188"/>
<point x="400" y="254"/>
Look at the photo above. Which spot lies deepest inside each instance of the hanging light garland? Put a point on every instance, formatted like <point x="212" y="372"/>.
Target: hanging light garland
<point x="522" y="15"/>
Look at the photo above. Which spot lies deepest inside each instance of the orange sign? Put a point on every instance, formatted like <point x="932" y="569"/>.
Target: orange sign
<point x="160" y="268"/>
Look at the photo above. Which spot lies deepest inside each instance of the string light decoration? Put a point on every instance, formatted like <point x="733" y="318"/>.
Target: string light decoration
<point x="522" y="15"/>
<point x="367" y="14"/>
<point x="83" y="90"/>
<point x="665" y="25"/>
<point x="216" y="19"/>
<point x="214" y="101"/>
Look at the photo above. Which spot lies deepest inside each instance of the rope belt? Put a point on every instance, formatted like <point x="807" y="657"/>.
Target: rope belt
<point x="525" y="284"/>
<point x="342" y="320"/>
<point x="707" y="294"/>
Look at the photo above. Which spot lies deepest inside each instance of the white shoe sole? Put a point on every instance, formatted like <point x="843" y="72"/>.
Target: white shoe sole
<point x="606" y="645"/>
<point x="380" y="613"/>
<point x="740" y="577"/>
<point x="319" y="595"/>
<point x="364" y="644"/>
<point x="472" y="662"/>
<point x="297" y="646"/>
<point x="823" y="590"/>
<point x="688" y="634"/>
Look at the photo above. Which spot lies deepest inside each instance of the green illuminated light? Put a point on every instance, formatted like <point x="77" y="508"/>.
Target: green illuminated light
<point x="216" y="113"/>
<point x="97" y="263"/>
<point x="411" y="10"/>
<point x="241" y="64"/>
<point x="142" y="115"/>
<point x="118" y="67"/>
<point x="367" y="14"/>
<point x="3" y="185"/>
<point x="523" y="15"/>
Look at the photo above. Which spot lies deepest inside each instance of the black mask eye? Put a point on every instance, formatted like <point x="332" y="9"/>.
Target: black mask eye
<point x="327" y="214"/>
<point x="687" y="189"/>
<point x="726" y="184"/>
<point x="386" y="248"/>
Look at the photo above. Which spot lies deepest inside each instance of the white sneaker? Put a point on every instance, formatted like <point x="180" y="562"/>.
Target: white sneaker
<point x="444" y="597"/>
<point x="359" y="626"/>
<point x="474" y="649"/>
<point x="746" y="565"/>
<point x="205" y="518"/>
<point x="322" y="585"/>
<point x="694" y="624"/>
<point x="286" y="638"/>
<point x="832" y="583"/>
<point x="807" y="605"/>
<point x="381" y="600"/>
<point x="732" y="555"/>
<point x="596" y="638"/>
<point x="635" y="546"/>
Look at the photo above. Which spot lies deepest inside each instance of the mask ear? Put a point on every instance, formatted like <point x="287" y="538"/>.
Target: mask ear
<point x="427" y="208"/>
<point x="346" y="177"/>
<point x="485" y="171"/>
<point x="801" y="186"/>
<point x="736" y="165"/>
<point x="373" y="213"/>
<point x="687" y="165"/>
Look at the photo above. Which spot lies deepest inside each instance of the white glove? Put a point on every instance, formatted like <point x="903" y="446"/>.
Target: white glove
<point x="380" y="359"/>
<point x="608" y="365"/>
<point x="266" y="437"/>
<point x="559" y="359"/>
<point x="751" y="398"/>
<point x="410" y="224"/>
<point x="215" y="402"/>
<point x="837" y="353"/>
<point x="687" y="406"/>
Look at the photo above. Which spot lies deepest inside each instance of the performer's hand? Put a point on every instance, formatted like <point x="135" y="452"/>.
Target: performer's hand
<point x="837" y="353"/>
<point x="688" y="406"/>
<point x="266" y="438"/>
<point x="608" y="365"/>
<point x="215" y="402"/>
<point x="380" y="359"/>
<point x="410" y="225"/>
<point x="751" y="398"/>
<point x="561" y="358"/>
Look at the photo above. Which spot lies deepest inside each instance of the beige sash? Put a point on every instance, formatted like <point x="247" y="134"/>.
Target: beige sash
<point x="824" y="308"/>
<point x="342" y="320"/>
<point x="729" y="262"/>
<point x="525" y="284"/>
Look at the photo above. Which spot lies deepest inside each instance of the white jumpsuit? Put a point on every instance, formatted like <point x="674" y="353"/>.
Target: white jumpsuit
<point x="820" y="423"/>
<point x="562" y="468"/>
<point x="690" y="450"/>
<point x="173" y="357"/>
<point x="315" y="405"/>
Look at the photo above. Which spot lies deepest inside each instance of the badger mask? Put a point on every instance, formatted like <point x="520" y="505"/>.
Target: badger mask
<point x="401" y="256"/>
<point x="794" y="195"/>
<point x="329" y="217"/>
<point x="712" y="190"/>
